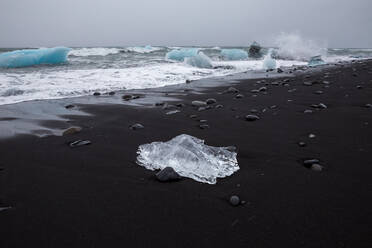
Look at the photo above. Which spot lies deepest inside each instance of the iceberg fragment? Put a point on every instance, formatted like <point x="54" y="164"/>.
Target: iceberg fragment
<point x="30" y="57"/>
<point x="189" y="157"/>
<point x="255" y="50"/>
<point x="269" y="63"/>
<point x="316" y="60"/>
<point x="234" y="54"/>
<point x="200" y="60"/>
<point x="181" y="54"/>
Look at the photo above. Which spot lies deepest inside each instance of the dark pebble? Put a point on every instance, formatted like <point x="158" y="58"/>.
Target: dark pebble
<point x="239" y="96"/>
<point x="279" y="70"/>
<point x="96" y="94"/>
<point x="78" y="143"/>
<point x="251" y="118"/>
<point x="219" y="106"/>
<point x="136" y="126"/>
<point x="211" y="101"/>
<point x="203" y="126"/>
<point x="167" y="174"/>
<point x="309" y="162"/>
<point x="198" y="103"/>
<point x="127" y="97"/>
<point x="193" y="116"/>
<point x="302" y="144"/>
<point x="234" y="200"/>
<point x="111" y="93"/>
<point x="70" y="106"/>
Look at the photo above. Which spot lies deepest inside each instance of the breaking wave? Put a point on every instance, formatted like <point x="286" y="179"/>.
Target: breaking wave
<point x="97" y="51"/>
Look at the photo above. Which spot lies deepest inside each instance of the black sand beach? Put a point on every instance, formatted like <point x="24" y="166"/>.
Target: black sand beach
<point x="97" y="196"/>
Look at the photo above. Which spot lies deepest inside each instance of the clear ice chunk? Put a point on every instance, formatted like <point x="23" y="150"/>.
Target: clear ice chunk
<point x="181" y="54"/>
<point x="316" y="60"/>
<point x="200" y="60"/>
<point x="234" y="54"/>
<point x="269" y="63"/>
<point x="30" y="57"/>
<point x="189" y="157"/>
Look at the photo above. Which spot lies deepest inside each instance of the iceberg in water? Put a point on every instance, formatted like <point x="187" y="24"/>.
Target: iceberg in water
<point x="234" y="54"/>
<point x="181" y="54"/>
<point x="200" y="60"/>
<point x="189" y="157"/>
<point x="30" y="57"/>
<point x="316" y="60"/>
<point x="255" y="50"/>
<point x="269" y="63"/>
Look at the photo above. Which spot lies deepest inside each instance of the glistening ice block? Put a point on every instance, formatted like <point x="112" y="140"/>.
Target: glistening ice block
<point x="201" y="61"/>
<point x="234" y="54"/>
<point x="189" y="157"/>
<point x="30" y="57"/>
<point x="182" y="53"/>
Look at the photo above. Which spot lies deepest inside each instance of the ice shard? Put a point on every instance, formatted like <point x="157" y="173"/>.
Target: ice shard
<point x="200" y="60"/>
<point x="234" y="54"/>
<point x="316" y="60"/>
<point x="269" y="63"/>
<point x="181" y="54"/>
<point x="189" y="157"/>
<point x="30" y="57"/>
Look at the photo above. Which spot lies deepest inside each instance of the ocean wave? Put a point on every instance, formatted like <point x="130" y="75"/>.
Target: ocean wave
<point x="96" y="51"/>
<point x="145" y="49"/>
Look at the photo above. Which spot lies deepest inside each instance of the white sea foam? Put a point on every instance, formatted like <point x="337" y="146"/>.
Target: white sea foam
<point x="293" y="46"/>
<point x="145" y="49"/>
<point x="96" y="51"/>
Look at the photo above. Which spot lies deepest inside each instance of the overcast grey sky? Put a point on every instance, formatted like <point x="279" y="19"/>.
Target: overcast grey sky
<point x="27" y="23"/>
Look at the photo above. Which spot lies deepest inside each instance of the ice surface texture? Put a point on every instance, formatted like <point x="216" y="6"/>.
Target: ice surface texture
<point x="316" y="60"/>
<point x="234" y="54"/>
<point x="30" y="57"/>
<point x="189" y="157"/>
<point x="181" y="54"/>
<point x="269" y="63"/>
<point x="200" y="60"/>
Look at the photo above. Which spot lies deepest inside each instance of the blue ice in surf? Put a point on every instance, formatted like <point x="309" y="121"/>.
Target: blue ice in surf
<point x="200" y="60"/>
<point x="316" y="60"/>
<point x="181" y="54"/>
<point x="30" y="57"/>
<point x="269" y="63"/>
<point x="234" y="54"/>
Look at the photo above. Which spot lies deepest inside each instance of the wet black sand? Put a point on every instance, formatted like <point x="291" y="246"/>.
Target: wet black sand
<point x="96" y="195"/>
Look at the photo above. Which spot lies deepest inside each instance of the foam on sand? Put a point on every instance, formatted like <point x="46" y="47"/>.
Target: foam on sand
<point x="31" y="57"/>
<point x="189" y="157"/>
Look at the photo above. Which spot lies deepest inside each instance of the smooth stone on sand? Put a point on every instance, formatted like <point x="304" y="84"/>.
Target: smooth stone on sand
<point x="301" y="144"/>
<point x="193" y="116"/>
<point x="251" y="118"/>
<point x="219" y="106"/>
<point x="136" y="126"/>
<point x="234" y="200"/>
<point x="71" y="130"/>
<point x="368" y="105"/>
<point x="180" y="105"/>
<point x="203" y="126"/>
<point x="78" y="143"/>
<point x="308" y="111"/>
<point x="70" y="106"/>
<point x="198" y="103"/>
<point x="308" y="83"/>
<point x="96" y="94"/>
<point x="263" y="88"/>
<point x="318" y="92"/>
<point x="111" y="93"/>
<point x="310" y="162"/>
<point x="239" y="96"/>
<point x="359" y="87"/>
<point x="231" y="90"/>
<point x="316" y="167"/>
<point x="210" y="101"/>
<point x="279" y="70"/>
<point x="202" y="109"/>
<point x="167" y="174"/>
<point x="127" y="97"/>
<point x="172" y="112"/>
<point x="254" y="91"/>
<point x="312" y="136"/>
<point x="203" y="121"/>
<point x="254" y="111"/>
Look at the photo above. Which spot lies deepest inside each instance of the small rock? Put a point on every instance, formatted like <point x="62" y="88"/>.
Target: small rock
<point x="203" y="126"/>
<point x="202" y="109"/>
<point x="136" y="97"/>
<point x="211" y="101"/>
<point x="251" y="118"/>
<point x="368" y="105"/>
<point x="193" y="116"/>
<point x="263" y="88"/>
<point x="359" y="87"/>
<point x="188" y="81"/>
<point x="312" y="136"/>
<point x="136" y="126"/>
<point x="326" y="82"/>
<point x="310" y="162"/>
<point x="273" y="107"/>
<point x="316" y="167"/>
<point x="279" y="70"/>
<point x="234" y="200"/>
<point x="302" y="144"/>
<point x="180" y="105"/>
<point x="254" y="111"/>
<point x="232" y="90"/>
<point x="308" y="111"/>
<point x="78" y="143"/>
<point x="308" y="83"/>
<point x="172" y="112"/>
<point x="198" y="103"/>
<point x="111" y="93"/>
<point x="70" y="106"/>
<point x="167" y="174"/>
<point x="159" y="104"/>
<point x="4" y="208"/>
<point x="275" y="83"/>
<point x="318" y="92"/>
<point x="219" y="106"/>
<point x="71" y="130"/>
<point x="127" y="97"/>
<point x="203" y="121"/>
<point x="286" y="80"/>
<point x="255" y="91"/>
<point x="96" y="94"/>
<point x="239" y="96"/>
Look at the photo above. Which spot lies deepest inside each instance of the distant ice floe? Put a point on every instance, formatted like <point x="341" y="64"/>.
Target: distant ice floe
<point x="234" y="54"/>
<point x="96" y="51"/>
<point x="31" y="57"/>
<point x="316" y="60"/>
<point x="189" y="157"/>
<point x="181" y="54"/>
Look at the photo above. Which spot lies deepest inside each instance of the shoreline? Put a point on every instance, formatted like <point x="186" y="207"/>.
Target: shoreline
<point x="97" y="195"/>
